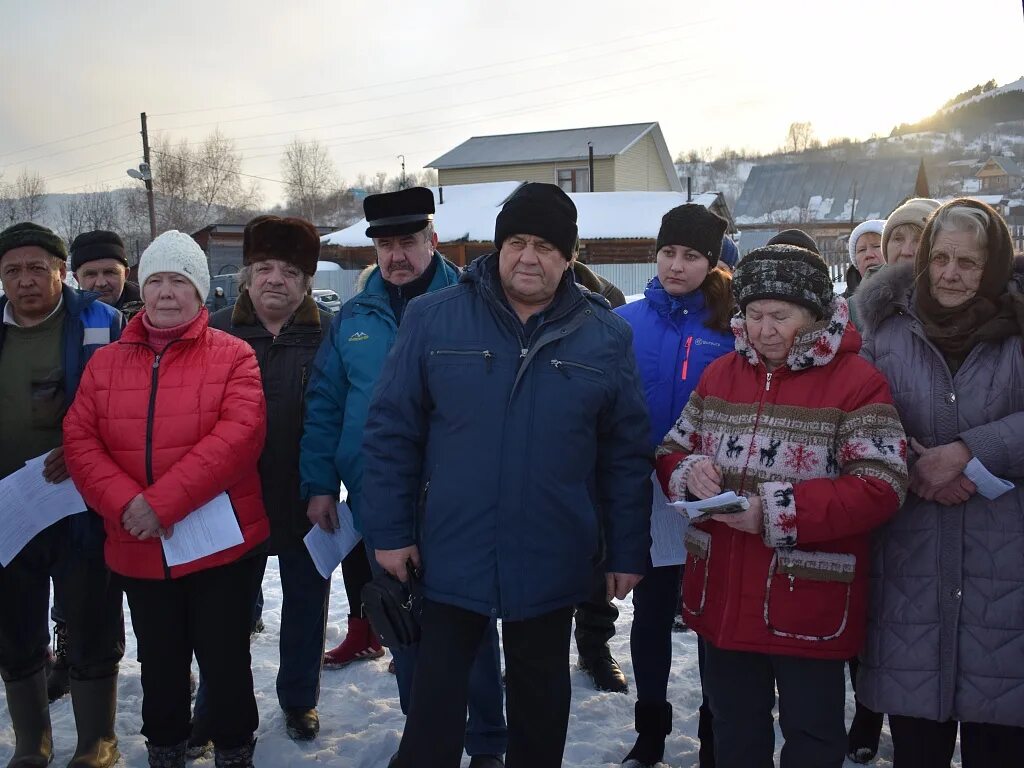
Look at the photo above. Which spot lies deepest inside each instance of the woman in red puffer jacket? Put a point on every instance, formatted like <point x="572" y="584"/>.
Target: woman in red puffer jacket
<point x="167" y="419"/>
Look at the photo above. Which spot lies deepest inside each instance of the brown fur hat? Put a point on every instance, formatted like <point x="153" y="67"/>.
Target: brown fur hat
<point x="287" y="239"/>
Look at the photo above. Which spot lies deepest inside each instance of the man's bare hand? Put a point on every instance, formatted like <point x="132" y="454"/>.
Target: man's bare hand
<point x="54" y="469"/>
<point x="323" y="511"/>
<point x="395" y="561"/>
<point x="621" y="584"/>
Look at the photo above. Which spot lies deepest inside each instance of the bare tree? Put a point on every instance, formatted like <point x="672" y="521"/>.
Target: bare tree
<point x="71" y="217"/>
<point x="8" y="211"/>
<point x="29" y="191"/>
<point x="799" y="137"/>
<point x="311" y="177"/>
<point x="197" y="185"/>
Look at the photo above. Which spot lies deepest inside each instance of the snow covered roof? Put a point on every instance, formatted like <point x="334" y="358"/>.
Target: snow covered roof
<point x="543" y="146"/>
<point x="1008" y="164"/>
<point x="469" y="211"/>
<point x="826" y="191"/>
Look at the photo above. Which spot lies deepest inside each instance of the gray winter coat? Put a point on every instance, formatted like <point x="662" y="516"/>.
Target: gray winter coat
<point x="945" y="637"/>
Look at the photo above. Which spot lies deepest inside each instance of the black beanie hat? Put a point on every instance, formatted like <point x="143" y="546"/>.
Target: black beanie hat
<point x="796" y="237"/>
<point x="539" y="209"/>
<point x="785" y="273"/>
<point x="99" y="244"/>
<point x="693" y="226"/>
<point x="26" y="233"/>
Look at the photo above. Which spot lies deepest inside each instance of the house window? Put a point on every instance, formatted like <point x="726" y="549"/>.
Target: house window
<point x="574" y="179"/>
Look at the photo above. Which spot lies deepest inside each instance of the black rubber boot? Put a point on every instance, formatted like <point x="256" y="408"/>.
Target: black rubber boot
<point x="166" y="757"/>
<point x="302" y="724"/>
<point x="30" y="716"/>
<point x="653" y="724"/>
<point x="57" y="680"/>
<point x="864" y="733"/>
<point x="95" y="706"/>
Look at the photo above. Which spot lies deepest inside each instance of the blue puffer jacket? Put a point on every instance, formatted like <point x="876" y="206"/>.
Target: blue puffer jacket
<point x="88" y="325"/>
<point x="345" y="370"/>
<point x="673" y="347"/>
<point x="505" y="461"/>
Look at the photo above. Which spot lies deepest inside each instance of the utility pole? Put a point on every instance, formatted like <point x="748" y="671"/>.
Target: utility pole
<point x="590" y="163"/>
<point x="148" y="179"/>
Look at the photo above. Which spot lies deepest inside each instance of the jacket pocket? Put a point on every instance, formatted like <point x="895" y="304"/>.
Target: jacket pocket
<point x="461" y="355"/>
<point x="47" y="400"/>
<point x="696" y="571"/>
<point x="807" y="595"/>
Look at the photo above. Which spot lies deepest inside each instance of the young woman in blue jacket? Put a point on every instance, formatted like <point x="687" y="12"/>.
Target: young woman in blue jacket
<point x="679" y="327"/>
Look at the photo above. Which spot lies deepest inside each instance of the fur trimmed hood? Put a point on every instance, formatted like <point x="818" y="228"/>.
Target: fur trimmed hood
<point x="815" y="347"/>
<point x="883" y="294"/>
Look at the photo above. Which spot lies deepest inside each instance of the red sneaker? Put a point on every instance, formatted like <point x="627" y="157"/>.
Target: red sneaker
<point x="361" y="643"/>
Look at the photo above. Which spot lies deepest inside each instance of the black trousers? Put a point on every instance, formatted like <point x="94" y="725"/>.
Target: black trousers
<point x="595" y="620"/>
<point x="207" y="613"/>
<point x="91" y="597"/>
<point x="740" y="688"/>
<point x="537" y="688"/>
<point x="919" y="743"/>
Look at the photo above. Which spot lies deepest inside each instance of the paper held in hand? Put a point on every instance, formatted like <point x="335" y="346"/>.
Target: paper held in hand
<point x="28" y="504"/>
<point x="209" y="529"/>
<point x="989" y="486"/>
<point x="727" y="503"/>
<point x="327" y="550"/>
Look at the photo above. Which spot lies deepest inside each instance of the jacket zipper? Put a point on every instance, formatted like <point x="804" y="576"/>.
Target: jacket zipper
<point x="149" y="442"/>
<point x="487" y="355"/>
<point x="563" y="365"/>
<point x="686" y="359"/>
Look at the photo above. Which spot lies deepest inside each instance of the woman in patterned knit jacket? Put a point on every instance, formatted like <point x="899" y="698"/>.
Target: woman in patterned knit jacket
<point x="796" y="421"/>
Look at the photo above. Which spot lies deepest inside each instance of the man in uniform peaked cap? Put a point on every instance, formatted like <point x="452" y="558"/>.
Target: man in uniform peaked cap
<point x="344" y="374"/>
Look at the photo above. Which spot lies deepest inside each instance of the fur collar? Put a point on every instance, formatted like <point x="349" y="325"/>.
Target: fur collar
<point x="815" y="347"/>
<point x="364" y="277"/>
<point x="243" y="314"/>
<point x="883" y="294"/>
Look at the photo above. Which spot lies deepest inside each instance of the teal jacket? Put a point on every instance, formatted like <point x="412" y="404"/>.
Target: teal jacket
<point x="345" y="371"/>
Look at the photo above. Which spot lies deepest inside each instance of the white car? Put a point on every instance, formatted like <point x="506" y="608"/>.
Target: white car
<point x="327" y="298"/>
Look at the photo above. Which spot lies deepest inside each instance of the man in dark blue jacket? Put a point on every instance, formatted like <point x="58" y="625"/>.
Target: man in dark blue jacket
<point x="48" y="334"/>
<point x="506" y="457"/>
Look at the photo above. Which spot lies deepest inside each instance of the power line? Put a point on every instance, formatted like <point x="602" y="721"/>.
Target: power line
<point x="66" y="138"/>
<point x="181" y="159"/>
<point x="435" y="76"/>
<point x="65" y="151"/>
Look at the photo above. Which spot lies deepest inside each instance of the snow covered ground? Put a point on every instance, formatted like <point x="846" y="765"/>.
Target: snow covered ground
<point x="361" y="721"/>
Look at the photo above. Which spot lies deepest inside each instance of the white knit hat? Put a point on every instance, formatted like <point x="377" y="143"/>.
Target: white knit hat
<point x="174" y="251"/>
<point x="871" y="225"/>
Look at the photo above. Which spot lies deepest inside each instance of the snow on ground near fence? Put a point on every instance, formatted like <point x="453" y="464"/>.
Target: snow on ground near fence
<point x="361" y="721"/>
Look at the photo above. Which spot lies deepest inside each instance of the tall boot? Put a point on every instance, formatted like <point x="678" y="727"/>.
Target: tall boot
<point x="95" y="705"/>
<point x="653" y="724"/>
<point x="166" y="757"/>
<point x="236" y="757"/>
<point x="30" y="716"/>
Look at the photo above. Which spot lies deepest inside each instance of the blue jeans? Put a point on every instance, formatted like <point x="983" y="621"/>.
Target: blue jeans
<point x="304" y="596"/>
<point x="486" y="732"/>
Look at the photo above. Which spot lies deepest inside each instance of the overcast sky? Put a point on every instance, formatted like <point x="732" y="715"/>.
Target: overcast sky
<point x="373" y="80"/>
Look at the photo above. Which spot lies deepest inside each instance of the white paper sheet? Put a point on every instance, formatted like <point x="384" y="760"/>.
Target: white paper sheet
<point x="667" y="530"/>
<point x="989" y="486"/>
<point x="723" y="503"/>
<point x="29" y="504"/>
<point x="209" y="529"/>
<point x="328" y="549"/>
